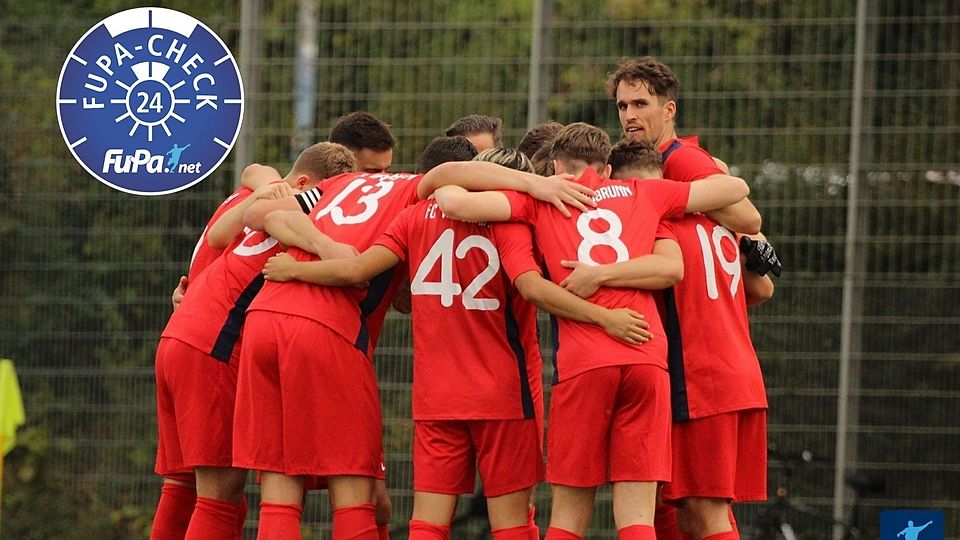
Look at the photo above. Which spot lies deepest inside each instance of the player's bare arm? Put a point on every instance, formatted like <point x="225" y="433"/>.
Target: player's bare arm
<point x="716" y="192"/>
<point x="230" y="224"/>
<point x="256" y="214"/>
<point x="256" y="176"/>
<point x="622" y="323"/>
<point x="352" y="271"/>
<point x="457" y="203"/>
<point x="660" y="269"/>
<point x="558" y="190"/>
<point x="294" y="228"/>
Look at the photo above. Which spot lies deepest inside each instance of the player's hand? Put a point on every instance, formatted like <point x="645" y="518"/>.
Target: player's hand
<point x="280" y="267"/>
<point x="583" y="281"/>
<point x="337" y="250"/>
<point x="760" y="257"/>
<point x="178" y="293"/>
<point x="559" y="191"/>
<point x="276" y="190"/>
<point x="626" y="325"/>
<point x="402" y="300"/>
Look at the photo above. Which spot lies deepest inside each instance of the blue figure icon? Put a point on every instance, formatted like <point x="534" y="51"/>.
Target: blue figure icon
<point x="174" y="154"/>
<point x="910" y="532"/>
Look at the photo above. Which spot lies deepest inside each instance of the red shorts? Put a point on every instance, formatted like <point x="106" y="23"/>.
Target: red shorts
<point x="447" y="454"/>
<point x="721" y="456"/>
<point x="307" y="401"/>
<point x="195" y="401"/>
<point x="610" y="424"/>
<point x="320" y="482"/>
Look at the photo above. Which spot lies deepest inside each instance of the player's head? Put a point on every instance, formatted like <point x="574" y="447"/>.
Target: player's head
<point x="507" y="157"/>
<point x="635" y="159"/>
<point x="578" y="146"/>
<point x="444" y="149"/>
<point x="483" y="131"/>
<point x="646" y="92"/>
<point x="322" y="160"/>
<point x="910" y="523"/>
<point x="368" y="138"/>
<point x="537" y="137"/>
<point x="542" y="160"/>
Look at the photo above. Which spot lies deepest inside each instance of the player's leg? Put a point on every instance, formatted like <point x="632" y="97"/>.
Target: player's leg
<point x="354" y="513"/>
<point x="570" y="509"/>
<point x="384" y="507"/>
<point x="639" y="448"/>
<point x="667" y="525"/>
<point x="444" y="466"/>
<point x="706" y="517"/>
<point x="221" y="505"/>
<point x="510" y="461"/>
<point x="178" y="496"/>
<point x="281" y="507"/>
<point x="578" y="447"/>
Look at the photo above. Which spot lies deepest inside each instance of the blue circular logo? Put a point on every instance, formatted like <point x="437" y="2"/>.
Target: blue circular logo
<point x="150" y="101"/>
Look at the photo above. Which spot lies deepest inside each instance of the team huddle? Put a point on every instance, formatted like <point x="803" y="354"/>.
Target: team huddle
<point x="645" y="254"/>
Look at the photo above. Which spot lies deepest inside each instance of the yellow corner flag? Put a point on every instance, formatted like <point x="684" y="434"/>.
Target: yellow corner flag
<point x="11" y="407"/>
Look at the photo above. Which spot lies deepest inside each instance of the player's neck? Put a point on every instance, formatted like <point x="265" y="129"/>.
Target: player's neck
<point x="669" y="134"/>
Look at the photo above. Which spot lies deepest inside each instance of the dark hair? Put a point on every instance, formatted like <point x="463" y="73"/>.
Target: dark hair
<point x="324" y="160"/>
<point x="537" y="137"/>
<point x="634" y="154"/>
<point x="510" y="158"/>
<point x="478" y="123"/>
<point x="444" y="149"/>
<point x="583" y="142"/>
<point x="658" y="78"/>
<point x="359" y="130"/>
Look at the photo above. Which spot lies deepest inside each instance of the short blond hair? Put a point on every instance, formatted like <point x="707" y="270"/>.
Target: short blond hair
<point x="581" y="142"/>
<point x="323" y="160"/>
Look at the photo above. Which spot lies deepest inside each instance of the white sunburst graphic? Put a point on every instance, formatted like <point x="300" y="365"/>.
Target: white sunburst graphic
<point x="150" y="100"/>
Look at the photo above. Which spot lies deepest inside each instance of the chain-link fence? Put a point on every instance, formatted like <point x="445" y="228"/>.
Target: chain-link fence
<point x="780" y="90"/>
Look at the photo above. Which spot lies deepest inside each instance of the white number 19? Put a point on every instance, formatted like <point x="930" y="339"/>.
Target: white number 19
<point x="730" y="267"/>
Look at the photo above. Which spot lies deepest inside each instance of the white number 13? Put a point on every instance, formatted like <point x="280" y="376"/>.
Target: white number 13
<point x="730" y="267"/>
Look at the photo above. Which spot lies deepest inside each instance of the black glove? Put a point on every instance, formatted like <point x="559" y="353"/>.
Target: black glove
<point x="760" y="256"/>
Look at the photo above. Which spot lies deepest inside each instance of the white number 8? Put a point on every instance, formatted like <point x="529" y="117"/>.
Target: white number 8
<point x="593" y="238"/>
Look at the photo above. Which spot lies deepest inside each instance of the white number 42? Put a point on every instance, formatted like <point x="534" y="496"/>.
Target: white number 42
<point x="446" y="288"/>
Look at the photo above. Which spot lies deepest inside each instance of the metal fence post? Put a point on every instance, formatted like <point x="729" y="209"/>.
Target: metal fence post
<point x="539" y="73"/>
<point x="305" y="77"/>
<point x="249" y="71"/>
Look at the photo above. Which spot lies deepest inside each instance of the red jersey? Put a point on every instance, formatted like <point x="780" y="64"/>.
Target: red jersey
<point x="356" y="209"/>
<point x="203" y="254"/>
<point x="475" y="354"/>
<point x="214" y="307"/>
<point x="713" y="367"/>
<point x="622" y="226"/>
<point x="685" y="161"/>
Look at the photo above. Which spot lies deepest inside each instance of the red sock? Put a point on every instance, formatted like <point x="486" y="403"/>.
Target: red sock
<point x="554" y="533"/>
<point x="383" y="531"/>
<point x="521" y="532"/>
<point x="173" y="512"/>
<point x="279" y="521"/>
<point x="729" y="535"/>
<point x="214" y="520"/>
<point x="637" y="532"/>
<point x="421" y="530"/>
<point x="355" y="523"/>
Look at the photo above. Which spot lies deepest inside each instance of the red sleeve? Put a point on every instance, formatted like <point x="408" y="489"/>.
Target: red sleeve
<point x="688" y="163"/>
<point x="523" y="208"/>
<point x="669" y="198"/>
<point x="666" y="230"/>
<point x="397" y="236"/>
<point x="514" y="242"/>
